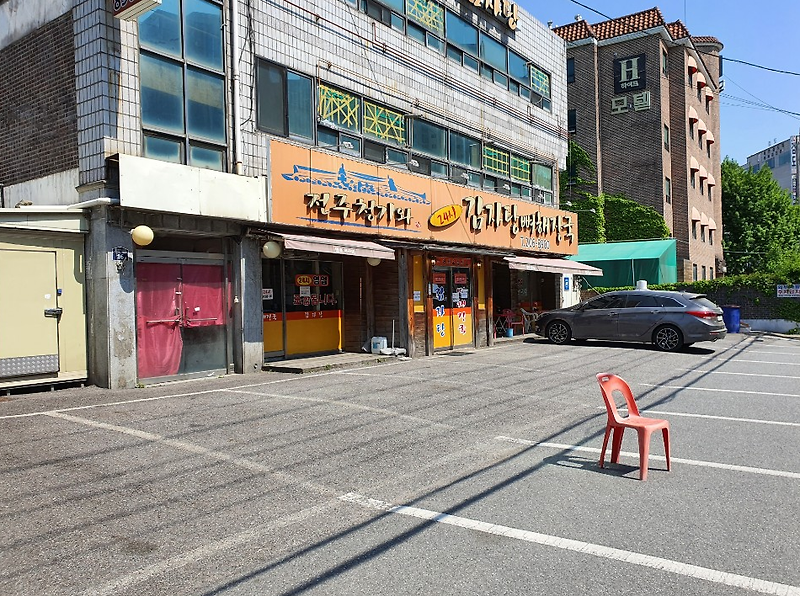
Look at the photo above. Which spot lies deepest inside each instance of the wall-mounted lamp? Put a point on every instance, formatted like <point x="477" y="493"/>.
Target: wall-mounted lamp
<point x="479" y="264"/>
<point x="373" y="261"/>
<point x="433" y="261"/>
<point x="142" y="235"/>
<point x="272" y="249"/>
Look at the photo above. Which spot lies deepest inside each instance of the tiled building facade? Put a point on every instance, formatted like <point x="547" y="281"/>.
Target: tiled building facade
<point x="643" y="102"/>
<point x="267" y="180"/>
<point x="781" y="159"/>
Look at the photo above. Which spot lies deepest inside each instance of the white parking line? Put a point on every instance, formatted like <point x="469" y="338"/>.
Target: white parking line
<point x="710" y="417"/>
<point x="690" y="462"/>
<point x="587" y="548"/>
<point x="738" y="360"/>
<point x="741" y="374"/>
<point x="719" y="390"/>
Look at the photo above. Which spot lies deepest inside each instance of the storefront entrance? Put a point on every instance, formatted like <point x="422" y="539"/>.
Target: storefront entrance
<point x="302" y="307"/>
<point x="181" y="322"/>
<point x="452" y="304"/>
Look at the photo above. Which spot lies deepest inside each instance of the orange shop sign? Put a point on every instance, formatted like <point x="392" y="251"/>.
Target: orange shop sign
<point x="322" y="191"/>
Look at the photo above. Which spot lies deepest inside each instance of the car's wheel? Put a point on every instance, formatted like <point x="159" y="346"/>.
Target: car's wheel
<point x="558" y="332"/>
<point x="668" y="338"/>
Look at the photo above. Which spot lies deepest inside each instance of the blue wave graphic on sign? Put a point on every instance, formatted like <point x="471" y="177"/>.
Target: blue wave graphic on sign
<point x="355" y="182"/>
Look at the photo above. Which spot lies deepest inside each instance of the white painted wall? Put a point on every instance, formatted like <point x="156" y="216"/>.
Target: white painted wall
<point x="56" y="189"/>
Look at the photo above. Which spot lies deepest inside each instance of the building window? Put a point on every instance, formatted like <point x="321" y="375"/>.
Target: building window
<point x="702" y="234"/>
<point x="691" y="129"/>
<point x="693" y="179"/>
<point x="543" y="183"/>
<point x="465" y="150"/>
<point x="668" y="189"/>
<point x="339" y="108"/>
<point x="182" y="83"/>
<point x="429" y="138"/>
<point x="570" y="70"/>
<point x="666" y="137"/>
<point x="711" y="237"/>
<point x="572" y="120"/>
<point x="664" y="62"/>
<point x="384" y="124"/>
<point x="704" y="271"/>
<point x="702" y="186"/>
<point x="540" y="87"/>
<point x="496" y="161"/>
<point x="428" y="14"/>
<point x="694" y="229"/>
<point x="709" y="192"/>
<point x="694" y="272"/>
<point x="285" y="102"/>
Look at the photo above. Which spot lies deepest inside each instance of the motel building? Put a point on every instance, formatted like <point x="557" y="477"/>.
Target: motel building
<point x="241" y="182"/>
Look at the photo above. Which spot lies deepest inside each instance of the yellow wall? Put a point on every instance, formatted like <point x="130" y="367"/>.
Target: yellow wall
<point x="71" y="280"/>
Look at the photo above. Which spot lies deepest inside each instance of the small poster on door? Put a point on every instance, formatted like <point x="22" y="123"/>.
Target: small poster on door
<point x="456" y="296"/>
<point x="305" y="290"/>
<point x="464" y="293"/>
<point x="266" y="294"/>
<point x="417" y="296"/>
<point x="460" y="279"/>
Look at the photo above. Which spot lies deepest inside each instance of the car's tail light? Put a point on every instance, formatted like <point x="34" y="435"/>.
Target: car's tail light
<point x="702" y="314"/>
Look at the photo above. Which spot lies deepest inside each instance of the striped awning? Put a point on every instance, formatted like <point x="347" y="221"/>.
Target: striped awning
<point x="701" y="80"/>
<point x="693" y="165"/>
<point x="691" y="64"/>
<point x="337" y="246"/>
<point x="693" y="117"/>
<point x="709" y="93"/>
<point x="546" y="265"/>
<point x="710" y="137"/>
<point x="701" y="126"/>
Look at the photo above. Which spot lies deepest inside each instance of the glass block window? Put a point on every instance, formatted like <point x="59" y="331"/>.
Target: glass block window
<point x="426" y="13"/>
<point x="495" y="160"/>
<point x="520" y="169"/>
<point x="339" y="108"/>
<point x="384" y="124"/>
<point x="540" y="81"/>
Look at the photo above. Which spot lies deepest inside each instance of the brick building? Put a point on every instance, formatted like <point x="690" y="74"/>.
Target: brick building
<point x="643" y="102"/>
<point x="264" y="180"/>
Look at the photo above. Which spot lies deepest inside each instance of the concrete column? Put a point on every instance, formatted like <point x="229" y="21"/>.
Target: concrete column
<point x="248" y="348"/>
<point x="110" y="305"/>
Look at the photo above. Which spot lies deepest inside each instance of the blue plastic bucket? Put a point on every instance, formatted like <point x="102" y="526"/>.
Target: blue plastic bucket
<point x="510" y="332"/>
<point x="730" y="315"/>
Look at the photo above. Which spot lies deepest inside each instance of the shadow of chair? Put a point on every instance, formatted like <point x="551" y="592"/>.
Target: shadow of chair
<point x="617" y="424"/>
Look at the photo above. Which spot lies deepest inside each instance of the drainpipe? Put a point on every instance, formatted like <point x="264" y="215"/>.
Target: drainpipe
<point x="237" y="111"/>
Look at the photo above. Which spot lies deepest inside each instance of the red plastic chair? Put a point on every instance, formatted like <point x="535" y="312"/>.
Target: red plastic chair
<point x="644" y="426"/>
<point x="511" y="320"/>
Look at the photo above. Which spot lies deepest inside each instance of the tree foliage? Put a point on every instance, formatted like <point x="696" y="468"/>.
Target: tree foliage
<point x="761" y="227"/>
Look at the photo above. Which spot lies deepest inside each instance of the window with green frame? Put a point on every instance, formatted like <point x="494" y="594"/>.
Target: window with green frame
<point x="543" y="176"/>
<point x="427" y="13"/>
<point x="339" y="108"/>
<point x="495" y="160"/>
<point x="384" y="124"/>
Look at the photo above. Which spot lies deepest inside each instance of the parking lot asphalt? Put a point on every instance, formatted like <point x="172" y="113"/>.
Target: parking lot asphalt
<point x="470" y="472"/>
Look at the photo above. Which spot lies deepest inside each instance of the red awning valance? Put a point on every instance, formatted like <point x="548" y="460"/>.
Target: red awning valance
<point x="709" y="94"/>
<point x="691" y="65"/>
<point x="710" y="137"/>
<point x="701" y="80"/>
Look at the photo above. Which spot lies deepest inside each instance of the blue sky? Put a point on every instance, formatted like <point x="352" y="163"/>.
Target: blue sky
<point x="764" y="34"/>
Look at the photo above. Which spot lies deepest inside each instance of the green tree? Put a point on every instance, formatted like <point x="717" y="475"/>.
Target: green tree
<point x="761" y="227"/>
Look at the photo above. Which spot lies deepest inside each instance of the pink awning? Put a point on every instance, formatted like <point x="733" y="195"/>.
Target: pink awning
<point x="711" y="180"/>
<point x="691" y="64"/>
<point x="693" y="165"/>
<point x="693" y="117"/>
<point x="338" y="246"/>
<point x="701" y="127"/>
<point x="712" y="225"/>
<point x="703" y="219"/>
<point x="546" y="265"/>
<point x="703" y="173"/>
<point x="701" y="80"/>
<point x="710" y="137"/>
<point x="695" y="214"/>
<point x="709" y="94"/>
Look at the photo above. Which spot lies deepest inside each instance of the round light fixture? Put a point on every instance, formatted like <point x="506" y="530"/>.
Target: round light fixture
<point x="272" y="249"/>
<point x="142" y="235"/>
<point x="374" y="261"/>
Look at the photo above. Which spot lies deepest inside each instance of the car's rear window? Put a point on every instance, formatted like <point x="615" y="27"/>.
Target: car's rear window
<point x="669" y="302"/>
<point x="700" y="301"/>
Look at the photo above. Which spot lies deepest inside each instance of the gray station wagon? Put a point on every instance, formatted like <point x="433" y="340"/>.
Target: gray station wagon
<point x="670" y="320"/>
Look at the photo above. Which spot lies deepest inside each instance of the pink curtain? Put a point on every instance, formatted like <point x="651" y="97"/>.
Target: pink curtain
<point x="159" y="344"/>
<point x="203" y="295"/>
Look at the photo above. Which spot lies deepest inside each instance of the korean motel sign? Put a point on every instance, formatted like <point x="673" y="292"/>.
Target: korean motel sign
<point x="321" y="191"/>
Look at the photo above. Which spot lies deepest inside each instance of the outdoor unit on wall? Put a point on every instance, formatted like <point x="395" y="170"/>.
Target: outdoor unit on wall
<point x="129" y="10"/>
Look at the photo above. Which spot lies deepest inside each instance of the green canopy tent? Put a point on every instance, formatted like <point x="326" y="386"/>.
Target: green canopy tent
<point x="624" y="263"/>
